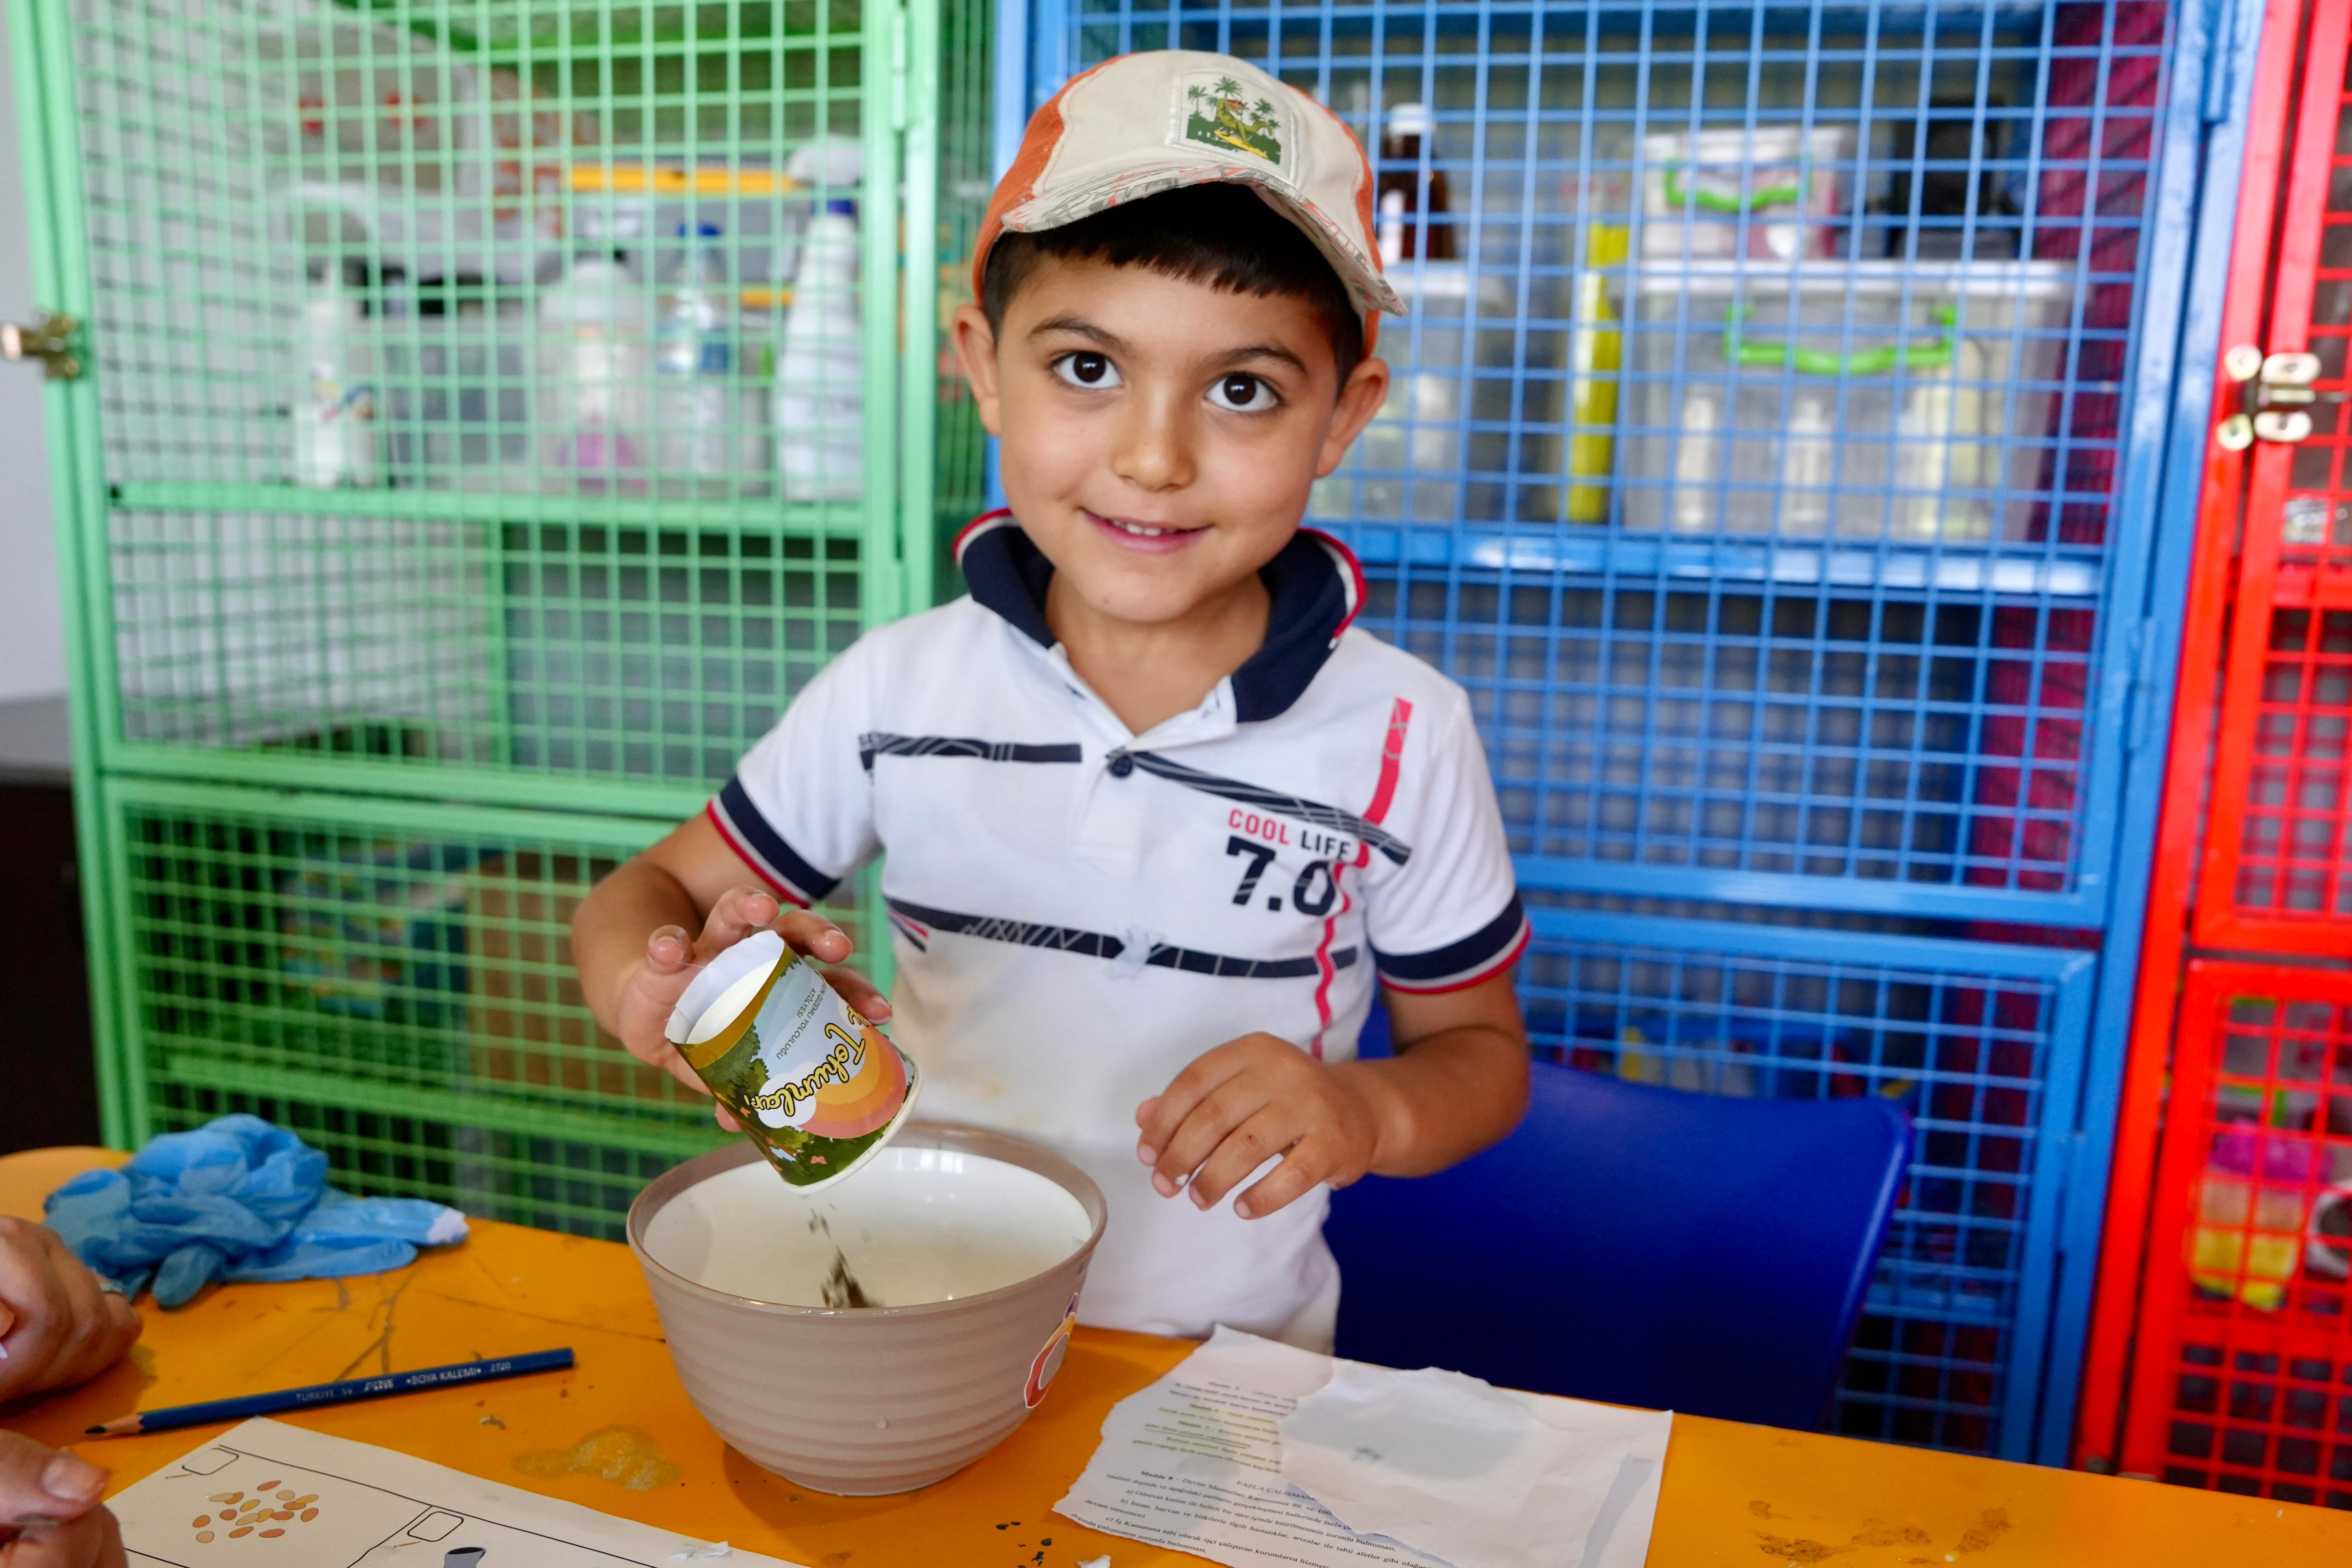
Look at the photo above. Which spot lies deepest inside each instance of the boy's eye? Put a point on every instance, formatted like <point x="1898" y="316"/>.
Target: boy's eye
<point x="1243" y="393"/>
<point x="1091" y="371"/>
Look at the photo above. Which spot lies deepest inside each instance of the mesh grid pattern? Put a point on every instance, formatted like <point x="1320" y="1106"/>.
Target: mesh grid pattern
<point x="1968" y="1050"/>
<point x="488" y="385"/>
<point x="1755" y="446"/>
<point x="2293" y="848"/>
<point x="276" y="183"/>
<point x="1721" y="728"/>
<point x="585" y="649"/>
<point x="585" y="1189"/>
<point x="2281" y="878"/>
<point x="2245" y="1366"/>
<point x="418" y="960"/>
<point x="966" y="182"/>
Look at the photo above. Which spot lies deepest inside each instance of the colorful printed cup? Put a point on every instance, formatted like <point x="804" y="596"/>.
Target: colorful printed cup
<point x="817" y="1088"/>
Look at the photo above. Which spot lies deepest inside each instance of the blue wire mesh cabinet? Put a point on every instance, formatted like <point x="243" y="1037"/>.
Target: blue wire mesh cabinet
<point x="1762" y="458"/>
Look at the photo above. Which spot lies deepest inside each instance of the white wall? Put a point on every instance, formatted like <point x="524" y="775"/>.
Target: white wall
<point x="32" y="633"/>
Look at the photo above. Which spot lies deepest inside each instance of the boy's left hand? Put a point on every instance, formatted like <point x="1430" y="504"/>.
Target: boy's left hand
<point x="1244" y="1101"/>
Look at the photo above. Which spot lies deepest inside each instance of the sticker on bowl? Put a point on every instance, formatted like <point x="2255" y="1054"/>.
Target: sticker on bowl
<point x="1049" y="1357"/>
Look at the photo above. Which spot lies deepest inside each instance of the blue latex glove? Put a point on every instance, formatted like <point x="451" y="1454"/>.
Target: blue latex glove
<point x="237" y="1200"/>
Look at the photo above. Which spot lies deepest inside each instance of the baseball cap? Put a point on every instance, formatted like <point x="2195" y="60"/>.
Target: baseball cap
<point x="1144" y="123"/>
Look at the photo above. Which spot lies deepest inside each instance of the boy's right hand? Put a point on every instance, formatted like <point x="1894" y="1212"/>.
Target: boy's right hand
<point x="651" y="991"/>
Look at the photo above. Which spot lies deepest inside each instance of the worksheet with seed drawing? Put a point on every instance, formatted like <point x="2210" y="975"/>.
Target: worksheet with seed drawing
<point x="266" y="1494"/>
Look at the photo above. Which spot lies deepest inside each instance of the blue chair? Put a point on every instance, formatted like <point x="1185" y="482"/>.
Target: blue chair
<point x="1635" y="1245"/>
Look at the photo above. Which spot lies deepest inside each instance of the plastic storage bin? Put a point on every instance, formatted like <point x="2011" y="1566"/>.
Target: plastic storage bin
<point x="1775" y="192"/>
<point x="1863" y="400"/>
<point x="1412" y="461"/>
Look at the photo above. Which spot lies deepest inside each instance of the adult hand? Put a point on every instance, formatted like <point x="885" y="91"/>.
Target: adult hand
<point x="57" y="1326"/>
<point x="50" y="1514"/>
<point x="660" y="978"/>
<point x="1246" y="1101"/>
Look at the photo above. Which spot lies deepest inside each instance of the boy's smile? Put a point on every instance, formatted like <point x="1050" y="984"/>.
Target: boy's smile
<point x="1157" y="438"/>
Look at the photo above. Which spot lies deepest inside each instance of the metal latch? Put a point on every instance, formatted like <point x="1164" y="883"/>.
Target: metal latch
<point x="48" y="340"/>
<point x="2274" y="394"/>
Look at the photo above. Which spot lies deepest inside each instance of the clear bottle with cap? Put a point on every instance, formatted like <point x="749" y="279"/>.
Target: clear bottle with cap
<point x="592" y="362"/>
<point x="695" y="384"/>
<point x="1410" y="205"/>
<point x="820" y="392"/>
<point x="333" y="398"/>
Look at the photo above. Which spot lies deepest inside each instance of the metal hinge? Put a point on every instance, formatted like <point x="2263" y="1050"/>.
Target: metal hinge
<point x="2274" y="395"/>
<point x="49" y="341"/>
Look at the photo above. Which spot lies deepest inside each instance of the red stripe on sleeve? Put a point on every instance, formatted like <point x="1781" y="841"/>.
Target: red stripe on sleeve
<point x="750" y="860"/>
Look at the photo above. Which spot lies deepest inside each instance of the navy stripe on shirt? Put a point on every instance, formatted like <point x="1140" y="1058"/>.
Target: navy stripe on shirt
<point x="1459" y="962"/>
<point x="1099" y="944"/>
<point x="765" y="848"/>
<point x="877" y="743"/>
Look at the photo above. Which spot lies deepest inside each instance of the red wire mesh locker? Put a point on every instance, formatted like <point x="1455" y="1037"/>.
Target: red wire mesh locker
<point x="2243" y="1376"/>
<point x="2277" y="873"/>
<point x="2256" y="781"/>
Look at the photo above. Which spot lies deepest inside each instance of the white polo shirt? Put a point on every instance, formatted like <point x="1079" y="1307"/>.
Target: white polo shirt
<point x="1077" y="912"/>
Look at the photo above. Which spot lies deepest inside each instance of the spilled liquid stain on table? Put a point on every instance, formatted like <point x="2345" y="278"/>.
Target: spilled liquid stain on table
<point x="628" y="1456"/>
<point x="1802" y="1551"/>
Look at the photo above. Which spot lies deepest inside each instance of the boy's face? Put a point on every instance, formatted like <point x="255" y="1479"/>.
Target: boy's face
<point x="1157" y="437"/>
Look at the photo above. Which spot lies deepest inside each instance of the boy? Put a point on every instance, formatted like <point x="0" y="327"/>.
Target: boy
<point x="1144" y="791"/>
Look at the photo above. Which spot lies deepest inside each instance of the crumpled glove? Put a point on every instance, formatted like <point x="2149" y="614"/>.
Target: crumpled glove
<point x="237" y="1200"/>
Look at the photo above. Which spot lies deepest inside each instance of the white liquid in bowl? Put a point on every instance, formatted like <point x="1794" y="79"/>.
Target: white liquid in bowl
<point x="916" y="1225"/>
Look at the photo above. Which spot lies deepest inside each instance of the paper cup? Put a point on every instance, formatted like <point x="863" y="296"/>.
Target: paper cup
<point x="817" y="1088"/>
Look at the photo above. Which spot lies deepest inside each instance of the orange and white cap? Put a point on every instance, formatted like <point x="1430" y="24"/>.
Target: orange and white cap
<point x="1144" y="123"/>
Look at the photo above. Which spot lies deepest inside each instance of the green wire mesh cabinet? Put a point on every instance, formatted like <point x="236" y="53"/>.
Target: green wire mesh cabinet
<point x="491" y="414"/>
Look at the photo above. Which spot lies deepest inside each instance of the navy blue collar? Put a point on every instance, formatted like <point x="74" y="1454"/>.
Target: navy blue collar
<point x="1315" y="582"/>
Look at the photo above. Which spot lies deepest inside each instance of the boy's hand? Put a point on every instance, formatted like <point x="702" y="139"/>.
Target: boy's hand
<point x="1246" y="1101"/>
<point x="653" y="985"/>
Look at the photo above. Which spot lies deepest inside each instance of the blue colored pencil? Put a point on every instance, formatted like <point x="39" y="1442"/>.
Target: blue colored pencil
<point x="237" y="1409"/>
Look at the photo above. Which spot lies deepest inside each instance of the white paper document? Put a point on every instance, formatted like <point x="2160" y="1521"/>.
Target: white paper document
<point x="1198" y="1462"/>
<point x="362" y="1504"/>
<point x="1478" y="1475"/>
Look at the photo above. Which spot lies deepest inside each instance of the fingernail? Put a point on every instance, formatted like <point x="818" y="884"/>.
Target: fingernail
<point x="1245" y="1209"/>
<point x="70" y="1479"/>
<point x="1146" y="1154"/>
<point x="1199" y="1200"/>
<point x="1162" y="1186"/>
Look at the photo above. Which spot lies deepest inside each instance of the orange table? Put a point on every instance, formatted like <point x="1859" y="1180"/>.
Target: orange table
<point x="1734" y="1494"/>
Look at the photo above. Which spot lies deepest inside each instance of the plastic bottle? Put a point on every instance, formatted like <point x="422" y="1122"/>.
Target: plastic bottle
<point x="1808" y="461"/>
<point x="334" y="394"/>
<point x="694" y="367"/>
<point x="1595" y="354"/>
<point x="1406" y="199"/>
<point x="820" y="393"/>
<point x="593" y="359"/>
<point x="1698" y="459"/>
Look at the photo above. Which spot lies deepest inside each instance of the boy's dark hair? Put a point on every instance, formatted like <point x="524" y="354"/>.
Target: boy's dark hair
<point x="1223" y="235"/>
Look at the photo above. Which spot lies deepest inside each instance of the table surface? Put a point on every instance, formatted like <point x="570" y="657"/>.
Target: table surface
<point x="1733" y="1494"/>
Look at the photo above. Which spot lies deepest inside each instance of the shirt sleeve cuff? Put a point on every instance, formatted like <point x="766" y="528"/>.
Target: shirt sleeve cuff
<point x="1480" y="956"/>
<point x="763" y="849"/>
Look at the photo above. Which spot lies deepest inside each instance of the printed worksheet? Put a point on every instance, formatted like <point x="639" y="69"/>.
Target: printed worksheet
<point x="266" y="1494"/>
<point x="1195" y="1462"/>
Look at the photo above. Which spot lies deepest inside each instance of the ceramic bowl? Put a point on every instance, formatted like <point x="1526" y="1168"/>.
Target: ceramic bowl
<point x="973" y="1245"/>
